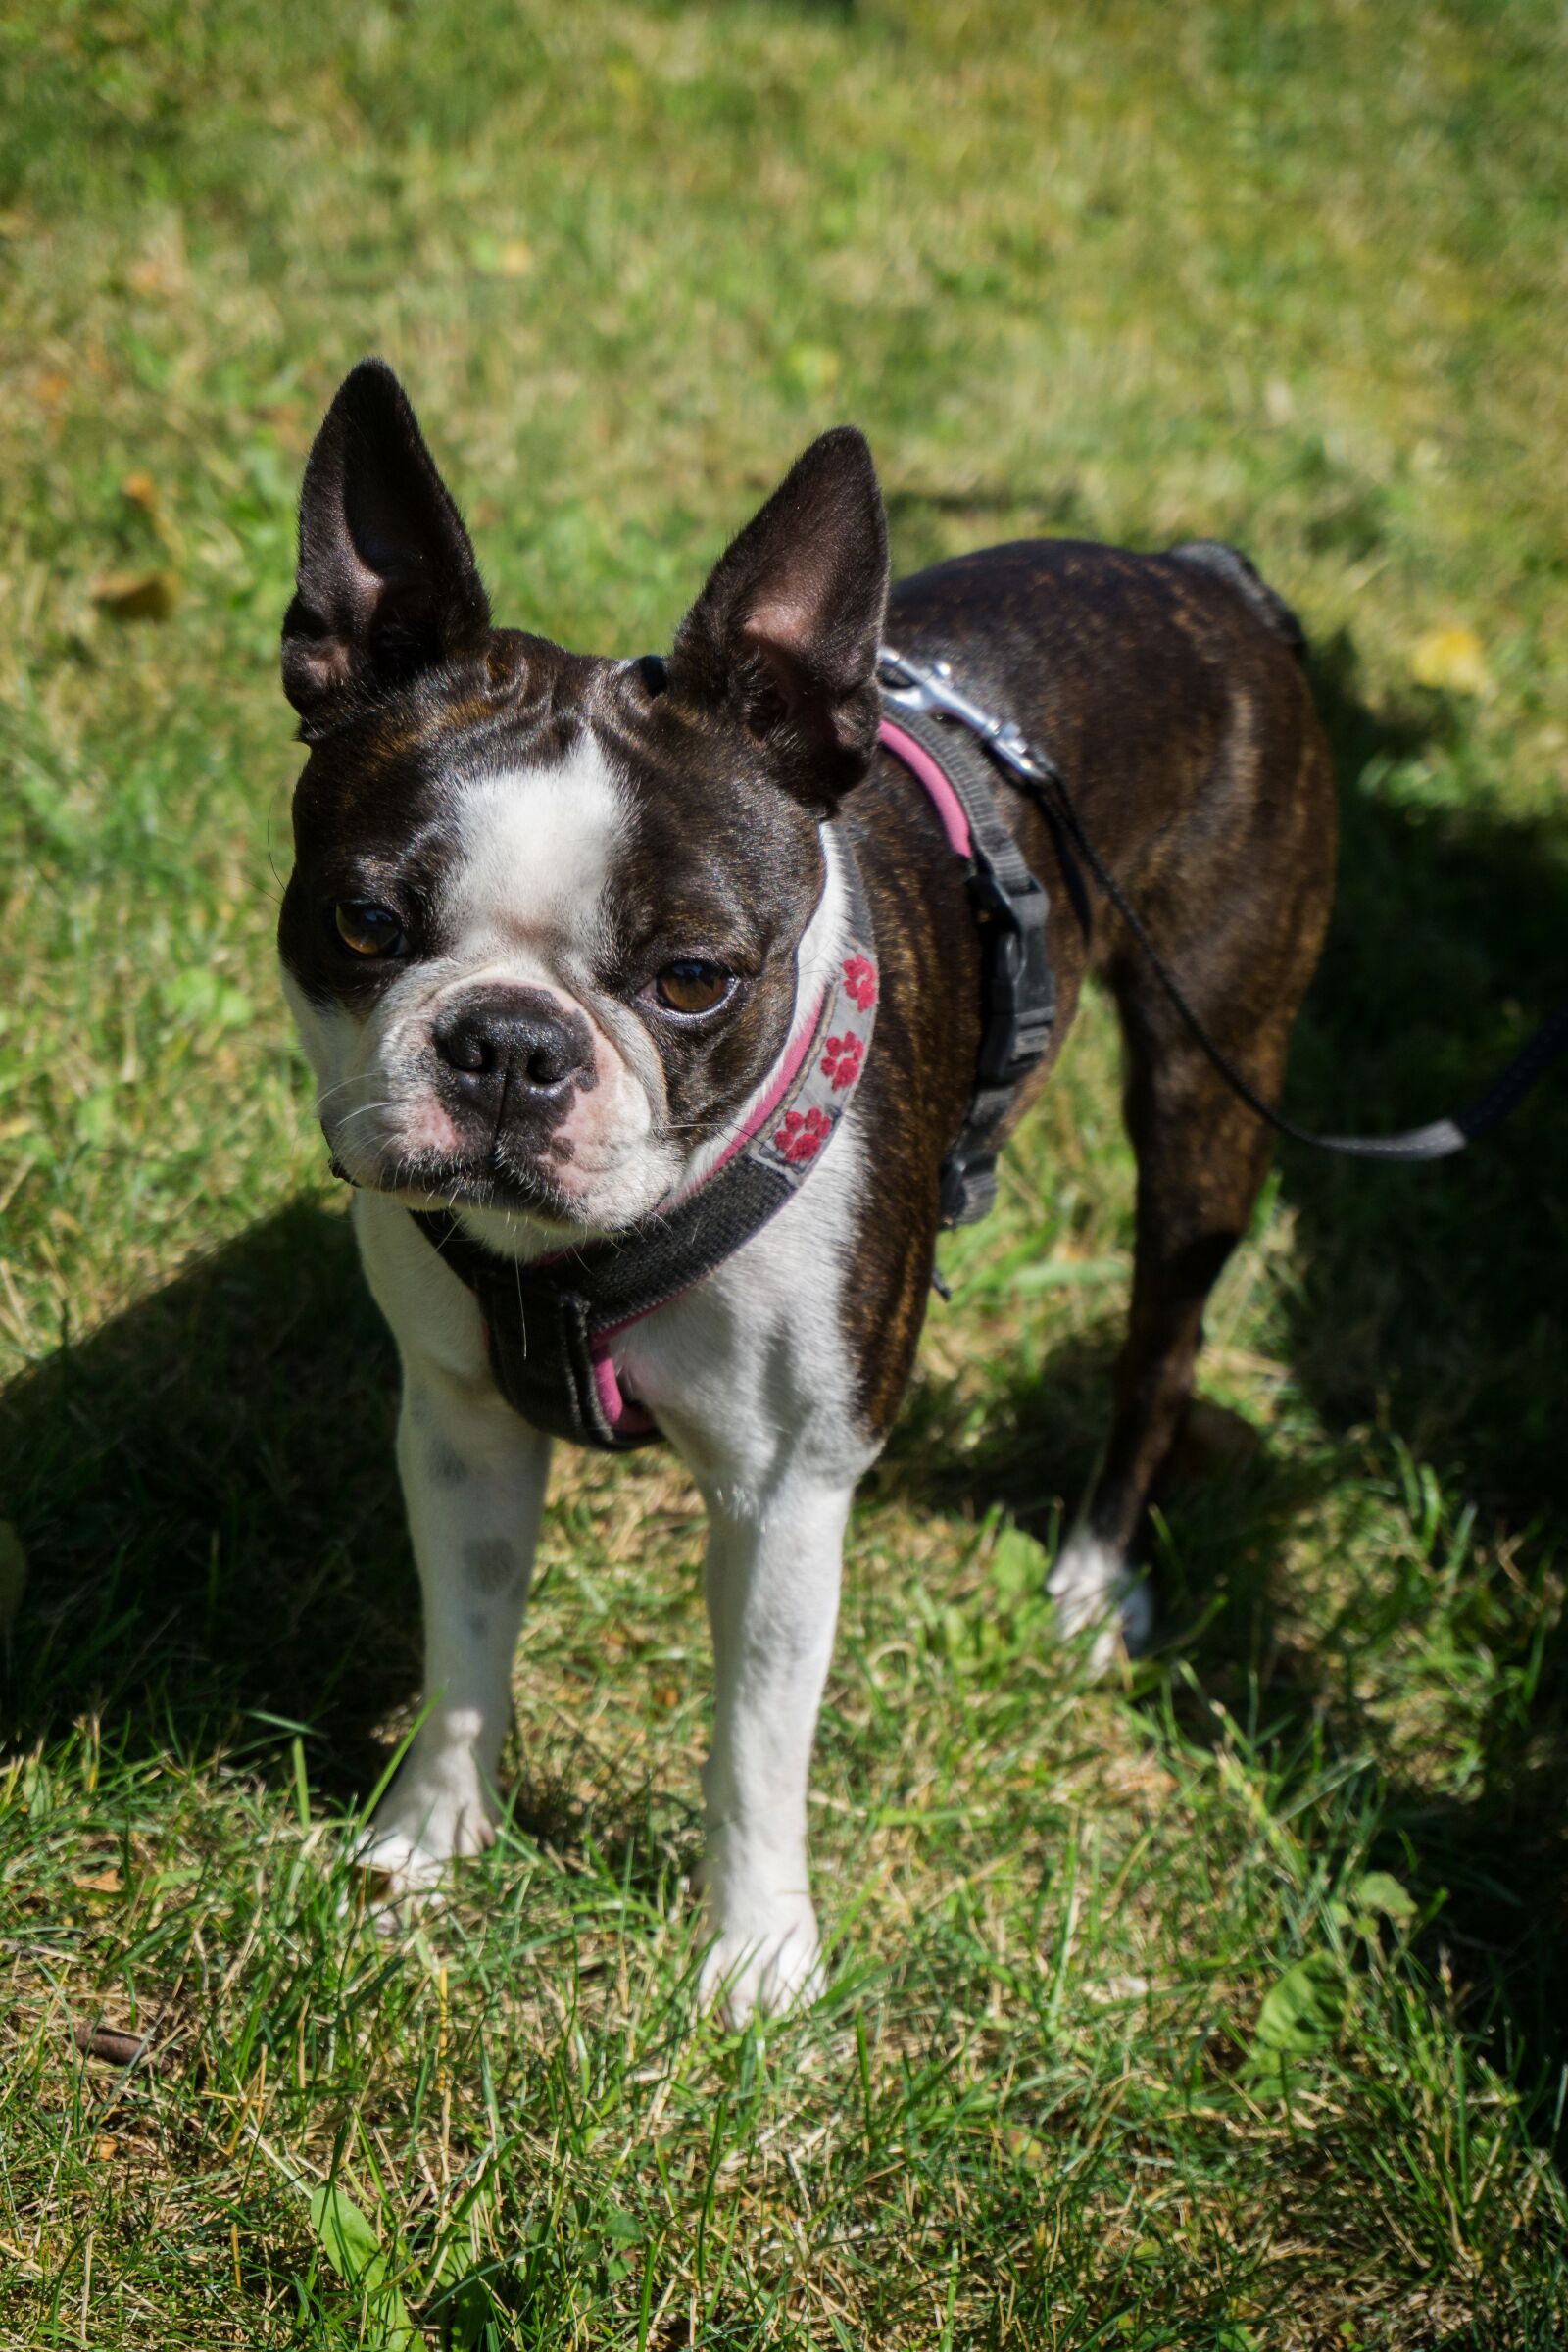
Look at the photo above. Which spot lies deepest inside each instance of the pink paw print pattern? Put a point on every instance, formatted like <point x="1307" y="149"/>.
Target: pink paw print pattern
<point x="859" y="978"/>
<point x="840" y="1062"/>
<point x="803" y="1135"/>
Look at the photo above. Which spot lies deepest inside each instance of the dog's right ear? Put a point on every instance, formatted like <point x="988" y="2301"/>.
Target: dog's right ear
<point x="388" y="585"/>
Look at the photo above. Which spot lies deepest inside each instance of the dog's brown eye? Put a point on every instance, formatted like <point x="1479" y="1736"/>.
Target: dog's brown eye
<point x="692" y="987"/>
<point x="368" y="930"/>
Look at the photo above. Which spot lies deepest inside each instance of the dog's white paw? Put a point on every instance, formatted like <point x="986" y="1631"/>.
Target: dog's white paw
<point x="760" y="1969"/>
<point x="1093" y="1587"/>
<point x="419" y="1832"/>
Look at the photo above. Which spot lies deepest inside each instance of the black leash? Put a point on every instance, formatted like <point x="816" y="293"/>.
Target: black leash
<point x="913" y="687"/>
<point x="1436" y="1141"/>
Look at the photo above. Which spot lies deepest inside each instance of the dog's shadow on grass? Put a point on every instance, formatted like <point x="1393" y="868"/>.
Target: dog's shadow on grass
<point x="206" y="1494"/>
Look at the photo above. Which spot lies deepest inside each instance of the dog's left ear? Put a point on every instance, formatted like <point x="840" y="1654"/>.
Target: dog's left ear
<point x="785" y="634"/>
<point x="388" y="585"/>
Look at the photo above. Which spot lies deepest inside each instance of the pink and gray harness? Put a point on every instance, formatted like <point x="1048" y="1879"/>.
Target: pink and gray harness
<point x="551" y="1325"/>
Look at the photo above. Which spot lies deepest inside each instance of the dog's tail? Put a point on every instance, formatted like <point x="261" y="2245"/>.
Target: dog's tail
<point x="1245" y="578"/>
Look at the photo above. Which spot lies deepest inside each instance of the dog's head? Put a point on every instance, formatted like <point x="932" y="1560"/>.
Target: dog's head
<point x="550" y="914"/>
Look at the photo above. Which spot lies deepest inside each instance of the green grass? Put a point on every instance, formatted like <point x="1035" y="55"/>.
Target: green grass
<point x="1221" y="2009"/>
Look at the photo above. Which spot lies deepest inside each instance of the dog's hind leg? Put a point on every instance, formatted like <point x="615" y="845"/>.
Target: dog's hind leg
<point x="1201" y="1157"/>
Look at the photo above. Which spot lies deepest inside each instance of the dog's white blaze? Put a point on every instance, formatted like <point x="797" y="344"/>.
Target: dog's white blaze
<point x="538" y="845"/>
<point x="526" y="902"/>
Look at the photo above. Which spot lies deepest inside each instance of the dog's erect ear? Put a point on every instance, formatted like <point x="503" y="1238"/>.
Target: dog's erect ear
<point x="786" y="633"/>
<point x="387" y="584"/>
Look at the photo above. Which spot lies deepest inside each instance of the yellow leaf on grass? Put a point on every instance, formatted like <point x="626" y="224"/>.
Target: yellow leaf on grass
<point x="1452" y="659"/>
<point x="135" y="595"/>
<point x="501" y="257"/>
<point x="814" y="367"/>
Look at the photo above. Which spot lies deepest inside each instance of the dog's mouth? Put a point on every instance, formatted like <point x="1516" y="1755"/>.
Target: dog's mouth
<point x="487" y="1179"/>
<point x="491" y="1185"/>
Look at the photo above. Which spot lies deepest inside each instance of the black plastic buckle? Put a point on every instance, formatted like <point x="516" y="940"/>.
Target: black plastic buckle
<point x="1020" y="990"/>
<point x="968" y="1187"/>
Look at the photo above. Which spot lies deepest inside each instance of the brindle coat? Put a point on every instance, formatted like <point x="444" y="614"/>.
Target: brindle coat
<point x="1170" y="691"/>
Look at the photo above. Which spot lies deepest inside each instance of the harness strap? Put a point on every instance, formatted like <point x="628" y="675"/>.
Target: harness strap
<point x="1010" y="910"/>
<point x="550" y="1324"/>
<point x="917" y="690"/>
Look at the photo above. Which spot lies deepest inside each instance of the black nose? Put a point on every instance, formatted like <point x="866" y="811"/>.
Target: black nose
<point x="523" y="1034"/>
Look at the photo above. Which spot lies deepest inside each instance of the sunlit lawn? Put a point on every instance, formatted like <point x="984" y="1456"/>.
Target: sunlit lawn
<point x="1220" y="2009"/>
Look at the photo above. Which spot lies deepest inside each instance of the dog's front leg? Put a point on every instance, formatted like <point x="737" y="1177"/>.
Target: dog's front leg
<point x="473" y="1480"/>
<point x="773" y="1571"/>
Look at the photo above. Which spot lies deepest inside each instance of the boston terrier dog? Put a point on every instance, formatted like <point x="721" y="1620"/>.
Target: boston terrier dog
<point x="587" y="953"/>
